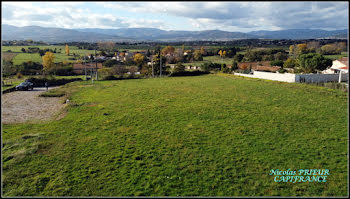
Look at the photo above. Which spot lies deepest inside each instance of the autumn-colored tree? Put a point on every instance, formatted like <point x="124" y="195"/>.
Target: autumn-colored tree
<point x="330" y="49"/>
<point x="222" y="53"/>
<point x="168" y="50"/>
<point x="107" y="46"/>
<point x="48" y="61"/>
<point x="197" y="55"/>
<point x="290" y="63"/>
<point x="202" y="50"/>
<point x="301" y="49"/>
<point x="67" y="49"/>
<point x="139" y="58"/>
<point x="292" y="50"/>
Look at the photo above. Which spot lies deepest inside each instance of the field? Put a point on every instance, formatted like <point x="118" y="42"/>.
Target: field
<point x="213" y="135"/>
<point x="8" y="56"/>
<point x="35" y="57"/>
<point x="334" y="57"/>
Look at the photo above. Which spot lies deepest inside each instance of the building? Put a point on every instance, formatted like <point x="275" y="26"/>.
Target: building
<point x="88" y="67"/>
<point x="339" y="65"/>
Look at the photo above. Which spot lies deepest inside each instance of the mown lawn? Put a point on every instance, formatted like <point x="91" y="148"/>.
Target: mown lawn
<point x="185" y="136"/>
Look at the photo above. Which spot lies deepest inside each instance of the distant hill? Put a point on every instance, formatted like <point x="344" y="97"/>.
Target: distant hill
<point x="38" y="33"/>
<point x="172" y="35"/>
<point x="298" y="34"/>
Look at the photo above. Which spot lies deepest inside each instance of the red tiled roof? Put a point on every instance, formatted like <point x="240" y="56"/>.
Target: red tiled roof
<point x="344" y="60"/>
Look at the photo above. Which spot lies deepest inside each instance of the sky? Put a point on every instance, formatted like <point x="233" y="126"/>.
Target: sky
<point x="206" y="15"/>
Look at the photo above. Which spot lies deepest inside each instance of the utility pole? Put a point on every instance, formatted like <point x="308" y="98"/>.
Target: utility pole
<point x="160" y="64"/>
<point x="84" y="66"/>
<point x="152" y="66"/>
<point x="96" y="65"/>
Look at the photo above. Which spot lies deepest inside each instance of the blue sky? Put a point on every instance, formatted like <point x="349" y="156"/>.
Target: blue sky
<point x="229" y="16"/>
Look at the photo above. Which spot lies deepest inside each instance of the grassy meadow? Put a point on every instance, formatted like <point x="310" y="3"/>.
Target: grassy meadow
<point x="213" y="135"/>
<point x="18" y="57"/>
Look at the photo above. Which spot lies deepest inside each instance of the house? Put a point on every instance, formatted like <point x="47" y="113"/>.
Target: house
<point x="195" y="67"/>
<point x="339" y="65"/>
<point x="88" y="67"/>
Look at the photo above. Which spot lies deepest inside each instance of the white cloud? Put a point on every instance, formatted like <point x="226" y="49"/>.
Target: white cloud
<point x="231" y="16"/>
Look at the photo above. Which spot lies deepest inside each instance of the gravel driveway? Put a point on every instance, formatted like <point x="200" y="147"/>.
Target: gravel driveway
<point x="23" y="106"/>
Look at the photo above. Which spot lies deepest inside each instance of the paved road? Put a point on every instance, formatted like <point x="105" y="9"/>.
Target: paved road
<point x="22" y="106"/>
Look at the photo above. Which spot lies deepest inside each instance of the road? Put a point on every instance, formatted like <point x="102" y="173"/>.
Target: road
<point x="23" y="106"/>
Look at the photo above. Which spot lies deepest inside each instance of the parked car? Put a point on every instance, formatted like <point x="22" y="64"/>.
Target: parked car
<point x="25" y="86"/>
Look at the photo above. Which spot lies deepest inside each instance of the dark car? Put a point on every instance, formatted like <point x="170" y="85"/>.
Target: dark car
<point x="24" y="86"/>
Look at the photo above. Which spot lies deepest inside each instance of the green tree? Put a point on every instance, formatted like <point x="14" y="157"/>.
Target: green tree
<point x="290" y="63"/>
<point x="238" y="57"/>
<point x="312" y="62"/>
<point x="179" y="67"/>
<point x="234" y="65"/>
<point x="198" y="55"/>
<point x="277" y="63"/>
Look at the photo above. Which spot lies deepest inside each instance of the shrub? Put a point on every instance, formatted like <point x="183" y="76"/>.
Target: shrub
<point x="40" y="82"/>
<point x="65" y="71"/>
<point x="189" y="73"/>
<point x="282" y="70"/>
<point x="53" y="93"/>
<point x="19" y="75"/>
<point x="277" y="63"/>
<point x="179" y="67"/>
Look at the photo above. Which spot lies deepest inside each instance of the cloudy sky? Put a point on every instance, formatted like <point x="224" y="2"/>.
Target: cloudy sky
<point x="229" y="16"/>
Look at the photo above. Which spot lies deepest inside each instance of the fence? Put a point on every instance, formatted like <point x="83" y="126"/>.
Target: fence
<point x="307" y="78"/>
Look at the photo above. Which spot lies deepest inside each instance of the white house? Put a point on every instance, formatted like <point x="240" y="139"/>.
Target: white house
<point x="339" y="65"/>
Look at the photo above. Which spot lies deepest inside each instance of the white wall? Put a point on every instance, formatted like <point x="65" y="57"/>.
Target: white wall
<point x="283" y="77"/>
<point x="316" y="78"/>
<point x="289" y="77"/>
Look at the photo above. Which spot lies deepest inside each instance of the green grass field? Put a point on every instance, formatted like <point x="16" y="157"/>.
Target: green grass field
<point x="35" y="57"/>
<point x="334" y="57"/>
<point x="213" y="135"/>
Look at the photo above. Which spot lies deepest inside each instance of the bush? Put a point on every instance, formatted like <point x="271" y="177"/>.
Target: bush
<point x="19" y="75"/>
<point x="40" y="82"/>
<point x="110" y="63"/>
<point x="282" y="70"/>
<point x="52" y="93"/>
<point x="65" y="71"/>
<point x="205" y="67"/>
<point x="188" y="73"/>
<point x="179" y="67"/>
<point x="277" y="63"/>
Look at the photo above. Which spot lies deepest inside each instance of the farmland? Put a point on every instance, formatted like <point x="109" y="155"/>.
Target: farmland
<point x="35" y="57"/>
<point x="213" y="135"/>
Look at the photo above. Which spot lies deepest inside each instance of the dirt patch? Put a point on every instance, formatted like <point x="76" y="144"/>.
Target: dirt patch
<point x="24" y="106"/>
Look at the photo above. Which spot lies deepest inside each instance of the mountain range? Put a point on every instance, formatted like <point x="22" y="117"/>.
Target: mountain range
<point x="53" y="35"/>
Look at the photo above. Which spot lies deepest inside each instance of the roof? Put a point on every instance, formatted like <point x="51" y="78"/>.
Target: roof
<point x="344" y="60"/>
